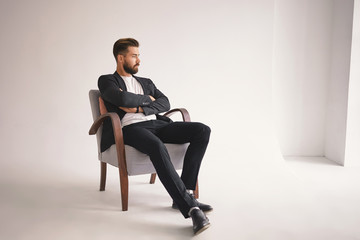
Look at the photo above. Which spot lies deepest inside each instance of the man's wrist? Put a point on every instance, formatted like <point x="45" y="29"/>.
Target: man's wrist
<point x="137" y="109"/>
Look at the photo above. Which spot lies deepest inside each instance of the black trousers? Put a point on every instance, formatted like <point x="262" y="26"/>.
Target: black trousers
<point x="149" y="137"/>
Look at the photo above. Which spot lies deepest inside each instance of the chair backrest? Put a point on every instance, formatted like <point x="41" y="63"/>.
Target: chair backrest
<point x="95" y="109"/>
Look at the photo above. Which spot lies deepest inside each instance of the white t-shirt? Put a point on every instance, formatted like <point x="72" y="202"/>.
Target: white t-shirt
<point x="133" y="86"/>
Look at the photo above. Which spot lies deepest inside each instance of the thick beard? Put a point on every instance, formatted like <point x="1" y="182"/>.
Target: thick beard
<point x="129" y="69"/>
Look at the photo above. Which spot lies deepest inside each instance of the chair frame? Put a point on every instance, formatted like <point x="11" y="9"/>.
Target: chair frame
<point x="121" y="156"/>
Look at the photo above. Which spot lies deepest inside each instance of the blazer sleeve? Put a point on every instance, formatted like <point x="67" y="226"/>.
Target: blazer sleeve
<point x="161" y="103"/>
<point x="110" y="91"/>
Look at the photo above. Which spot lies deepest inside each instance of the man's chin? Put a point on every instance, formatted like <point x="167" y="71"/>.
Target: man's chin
<point x="132" y="71"/>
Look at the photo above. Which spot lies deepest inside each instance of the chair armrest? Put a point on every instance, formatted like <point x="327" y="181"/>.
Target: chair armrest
<point x="115" y="120"/>
<point x="184" y="113"/>
<point x="118" y="135"/>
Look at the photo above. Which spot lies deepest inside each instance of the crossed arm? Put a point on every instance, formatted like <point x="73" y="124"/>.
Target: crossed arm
<point x="134" y="110"/>
<point x="153" y="102"/>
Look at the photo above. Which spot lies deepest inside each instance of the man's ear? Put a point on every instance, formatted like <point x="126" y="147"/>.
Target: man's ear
<point x="120" y="58"/>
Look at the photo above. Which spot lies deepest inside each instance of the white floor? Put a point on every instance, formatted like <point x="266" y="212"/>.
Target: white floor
<point x="309" y="198"/>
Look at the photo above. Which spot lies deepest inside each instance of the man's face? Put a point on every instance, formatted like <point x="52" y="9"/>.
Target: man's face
<point x="131" y="61"/>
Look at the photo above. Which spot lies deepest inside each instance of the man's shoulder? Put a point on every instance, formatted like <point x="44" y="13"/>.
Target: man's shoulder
<point x="108" y="79"/>
<point x="114" y="77"/>
<point x="107" y="76"/>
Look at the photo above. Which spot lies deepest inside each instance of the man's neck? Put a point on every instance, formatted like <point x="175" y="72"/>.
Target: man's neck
<point x="122" y="72"/>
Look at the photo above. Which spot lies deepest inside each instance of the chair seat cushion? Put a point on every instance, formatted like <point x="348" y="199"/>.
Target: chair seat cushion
<point x="139" y="163"/>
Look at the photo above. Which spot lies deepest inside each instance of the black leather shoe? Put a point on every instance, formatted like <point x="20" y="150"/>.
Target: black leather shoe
<point x="202" y="206"/>
<point x="200" y="221"/>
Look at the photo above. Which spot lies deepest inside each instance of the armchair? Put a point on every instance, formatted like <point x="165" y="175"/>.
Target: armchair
<point x="129" y="160"/>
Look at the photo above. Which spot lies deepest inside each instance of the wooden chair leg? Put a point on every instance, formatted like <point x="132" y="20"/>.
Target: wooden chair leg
<point x="196" y="191"/>
<point x="124" y="189"/>
<point x="152" y="178"/>
<point x="102" y="176"/>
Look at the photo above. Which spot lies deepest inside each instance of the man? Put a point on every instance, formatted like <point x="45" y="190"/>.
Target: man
<point x="138" y="102"/>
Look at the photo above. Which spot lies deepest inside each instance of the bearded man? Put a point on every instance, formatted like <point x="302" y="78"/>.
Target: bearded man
<point x="138" y="103"/>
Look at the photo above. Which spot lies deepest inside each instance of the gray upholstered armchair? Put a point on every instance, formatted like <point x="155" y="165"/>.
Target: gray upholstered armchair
<point x="129" y="160"/>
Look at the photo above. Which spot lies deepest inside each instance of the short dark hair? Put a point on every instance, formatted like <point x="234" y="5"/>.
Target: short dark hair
<point x="121" y="46"/>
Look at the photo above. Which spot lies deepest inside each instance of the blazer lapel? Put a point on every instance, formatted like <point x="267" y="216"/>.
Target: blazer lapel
<point x="120" y="81"/>
<point x="144" y="86"/>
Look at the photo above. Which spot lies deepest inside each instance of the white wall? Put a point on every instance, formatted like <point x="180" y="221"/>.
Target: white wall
<point x="352" y="155"/>
<point x="338" y="85"/>
<point x="312" y="44"/>
<point x="213" y="58"/>
<point x="53" y="52"/>
<point x="301" y="71"/>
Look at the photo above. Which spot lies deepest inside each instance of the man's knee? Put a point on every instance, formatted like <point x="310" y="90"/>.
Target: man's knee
<point x="204" y="130"/>
<point x="156" y="146"/>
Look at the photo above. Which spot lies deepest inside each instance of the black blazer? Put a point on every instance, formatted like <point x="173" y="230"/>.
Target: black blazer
<point x="109" y="86"/>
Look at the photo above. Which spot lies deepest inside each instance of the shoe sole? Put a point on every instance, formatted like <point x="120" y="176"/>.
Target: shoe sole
<point x="202" y="229"/>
